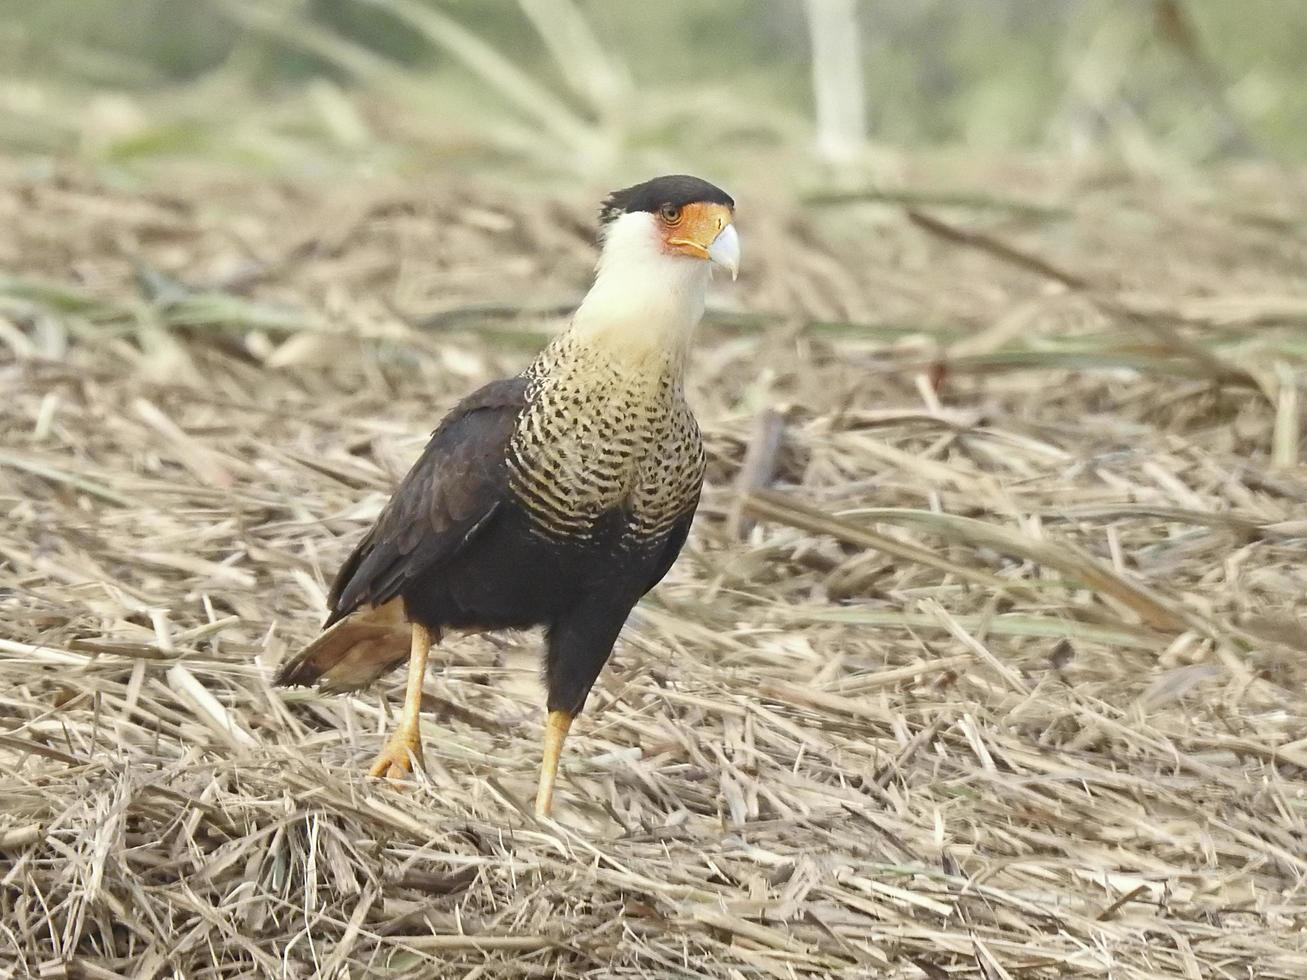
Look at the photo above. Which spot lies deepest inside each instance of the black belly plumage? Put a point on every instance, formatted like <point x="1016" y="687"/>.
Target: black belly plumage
<point x="580" y="590"/>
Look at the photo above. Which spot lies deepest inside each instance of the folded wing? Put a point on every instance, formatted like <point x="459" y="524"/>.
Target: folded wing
<point x="451" y="493"/>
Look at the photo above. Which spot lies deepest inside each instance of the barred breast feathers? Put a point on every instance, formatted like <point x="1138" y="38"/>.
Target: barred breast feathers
<point x="595" y="436"/>
<point x="606" y="422"/>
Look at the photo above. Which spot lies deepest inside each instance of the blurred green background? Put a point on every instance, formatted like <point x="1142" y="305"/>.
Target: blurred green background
<point x="330" y="88"/>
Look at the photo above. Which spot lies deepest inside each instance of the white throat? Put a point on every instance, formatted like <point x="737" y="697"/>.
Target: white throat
<point x="644" y="302"/>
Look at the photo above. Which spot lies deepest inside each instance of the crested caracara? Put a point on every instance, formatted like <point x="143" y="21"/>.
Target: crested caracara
<point x="556" y="498"/>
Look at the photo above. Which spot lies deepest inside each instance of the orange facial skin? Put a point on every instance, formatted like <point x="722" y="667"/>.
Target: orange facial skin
<point x="689" y="230"/>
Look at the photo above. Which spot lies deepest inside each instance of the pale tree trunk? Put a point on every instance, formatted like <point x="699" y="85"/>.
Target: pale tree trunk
<point x="837" y="81"/>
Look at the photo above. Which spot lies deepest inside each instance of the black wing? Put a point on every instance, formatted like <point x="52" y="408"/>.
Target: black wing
<point x="451" y="493"/>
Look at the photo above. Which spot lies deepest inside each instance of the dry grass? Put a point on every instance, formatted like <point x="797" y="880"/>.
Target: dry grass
<point x="989" y="663"/>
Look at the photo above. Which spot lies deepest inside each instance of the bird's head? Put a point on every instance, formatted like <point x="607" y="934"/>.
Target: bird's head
<point x="659" y="240"/>
<point x="677" y="218"/>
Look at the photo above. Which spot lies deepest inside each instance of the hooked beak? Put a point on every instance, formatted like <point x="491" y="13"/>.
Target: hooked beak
<point x="725" y="251"/>
<point x="707" y="231"/>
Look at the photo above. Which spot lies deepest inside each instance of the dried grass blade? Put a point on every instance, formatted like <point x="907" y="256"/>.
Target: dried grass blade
<point x="784" y="510"/>
<point x="207" y="708"/>
<point x="494" y="69"/>
<point x="1004" y="624"/>
<point x="36" y="468"/>
<point x="1151" y="608"/>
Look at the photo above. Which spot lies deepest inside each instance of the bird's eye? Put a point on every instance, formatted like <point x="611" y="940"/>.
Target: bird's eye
<point x="670" y="213"/>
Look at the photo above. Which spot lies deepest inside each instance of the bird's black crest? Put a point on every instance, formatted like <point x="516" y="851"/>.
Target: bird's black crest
<point x="677" y="190"/>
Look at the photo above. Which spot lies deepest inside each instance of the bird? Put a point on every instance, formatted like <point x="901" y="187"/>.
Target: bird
<point x="554" y="499"/>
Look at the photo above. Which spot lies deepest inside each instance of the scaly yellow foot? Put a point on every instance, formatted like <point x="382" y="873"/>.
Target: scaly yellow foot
<point x="395" y="761"/>
<point x="405" y="745"/>
<point x="555" y="734"/>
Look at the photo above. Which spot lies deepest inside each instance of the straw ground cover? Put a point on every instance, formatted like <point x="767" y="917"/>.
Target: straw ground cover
<point x="985" y="658"/>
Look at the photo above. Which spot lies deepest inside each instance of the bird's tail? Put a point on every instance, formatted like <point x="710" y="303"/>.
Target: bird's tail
<point x="352" y="653"/>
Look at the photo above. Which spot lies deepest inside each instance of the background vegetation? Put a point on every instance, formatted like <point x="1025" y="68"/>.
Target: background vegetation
<point x="559" y="87"/>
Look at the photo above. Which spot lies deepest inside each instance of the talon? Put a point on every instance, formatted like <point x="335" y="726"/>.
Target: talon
<point x="395" y="761"/>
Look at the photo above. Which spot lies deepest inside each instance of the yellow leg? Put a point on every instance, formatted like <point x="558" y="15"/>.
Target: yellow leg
<point x="405" y="744"/>
<point x="555" y="734"/>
